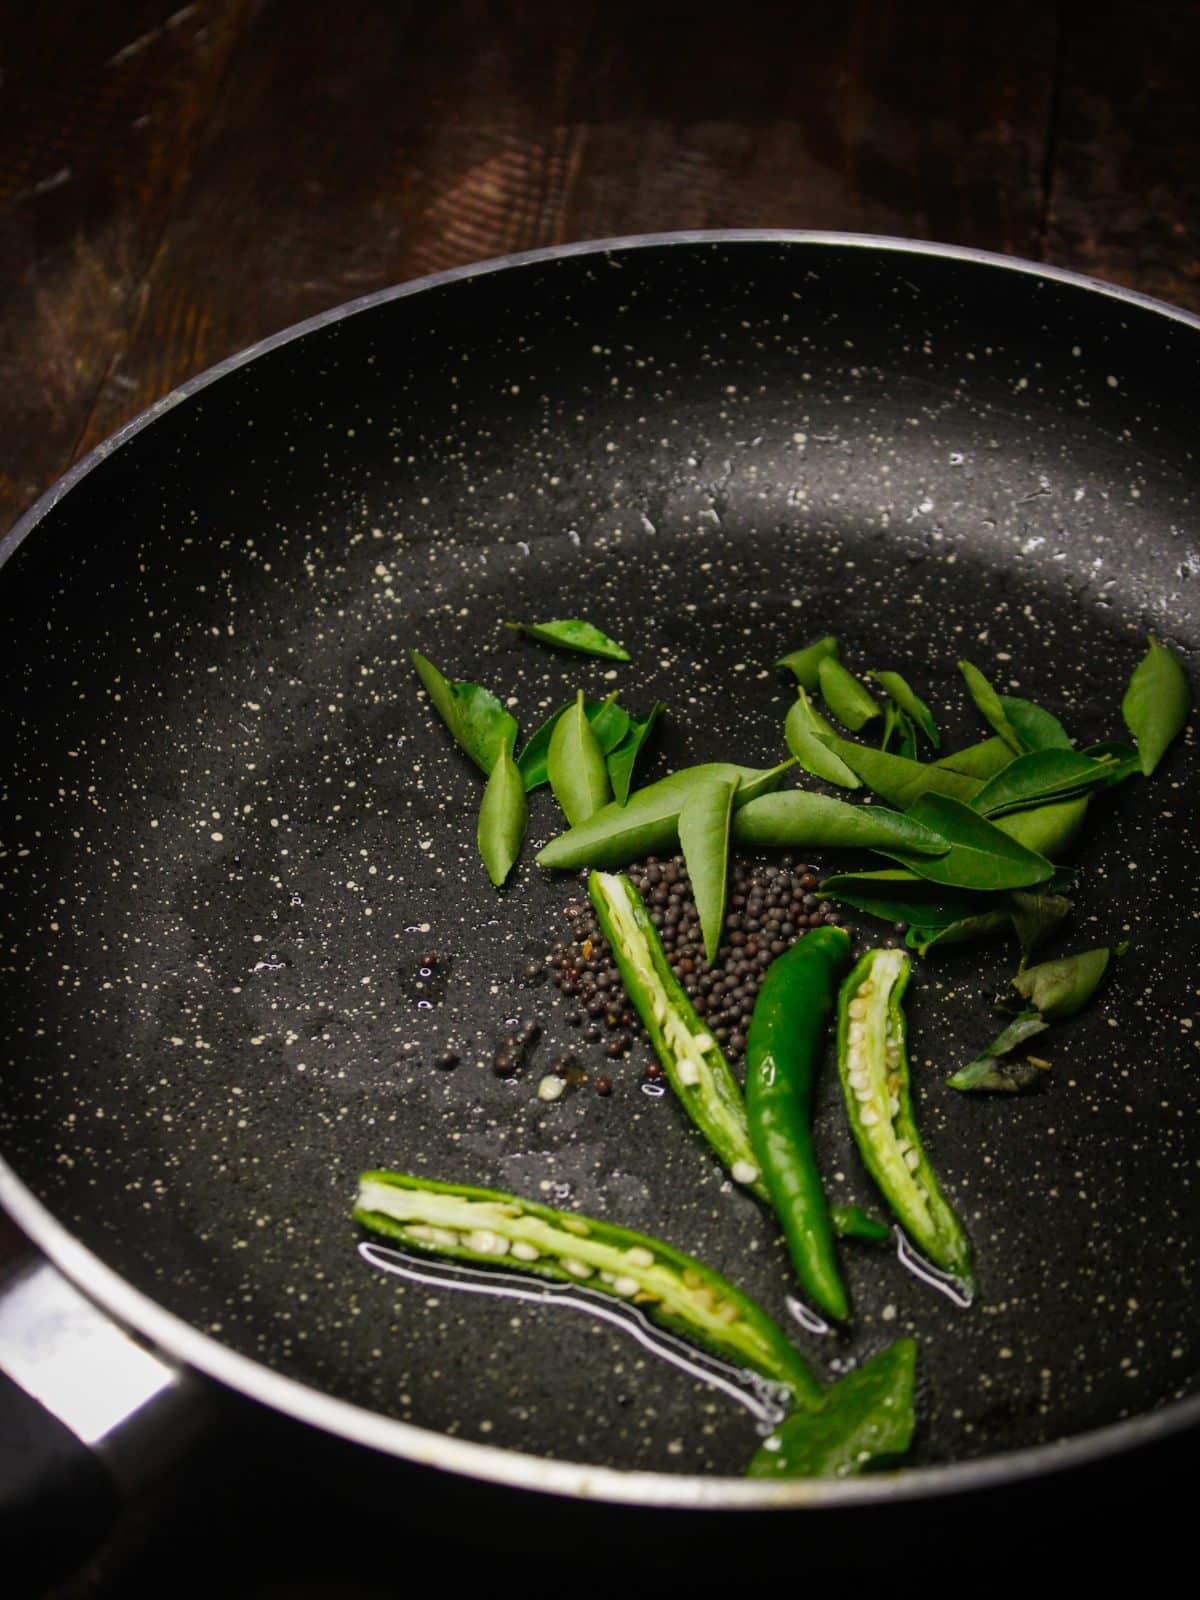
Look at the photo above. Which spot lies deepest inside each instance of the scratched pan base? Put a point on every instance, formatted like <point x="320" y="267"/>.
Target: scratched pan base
<point x="232" y="831"/>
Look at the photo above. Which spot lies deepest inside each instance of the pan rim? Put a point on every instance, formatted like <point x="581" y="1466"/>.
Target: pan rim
<point x="191" y="1347"/>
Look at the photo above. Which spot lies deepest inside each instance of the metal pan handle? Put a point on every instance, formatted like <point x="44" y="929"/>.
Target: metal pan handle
<point x="88" y="1414"/>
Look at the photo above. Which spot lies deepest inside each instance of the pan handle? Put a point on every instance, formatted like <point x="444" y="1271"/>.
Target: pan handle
<point x="88" y="1415"/>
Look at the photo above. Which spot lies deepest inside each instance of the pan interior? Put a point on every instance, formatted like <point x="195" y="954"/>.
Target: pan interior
<point x="231" y="832"/>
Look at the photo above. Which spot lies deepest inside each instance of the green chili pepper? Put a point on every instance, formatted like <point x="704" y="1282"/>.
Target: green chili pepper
<point x="691" y="1057"/>
<point x="503" y="815"/>
<point x="873" y="1067"/>
<point x="648" y="823"/>
<point x="675" y="1290"/>
<point x="576" y="767"/>
<point x="782" y="1049"/>
<point x="867" y="1420"/>
<point x="852" y="1222"/>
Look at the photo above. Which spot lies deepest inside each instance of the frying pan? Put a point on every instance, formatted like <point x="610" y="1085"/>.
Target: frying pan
<point x="233" y="833"/>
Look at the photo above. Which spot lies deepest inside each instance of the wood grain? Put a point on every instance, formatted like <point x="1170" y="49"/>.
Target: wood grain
<point x="858" y="117"/>
<point x="1124" y="199"/>
<point x="102" y="110"/>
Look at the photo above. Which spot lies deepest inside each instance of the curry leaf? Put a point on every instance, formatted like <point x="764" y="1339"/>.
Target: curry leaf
<point x="991" y="706"/>
<point x="503" y="816"/>
<point x="897" y="896"/>
<point x="965" y="931"/>
<point x="867" y="1420"/>
<point x="572" y="634"/>
<point x="806" y="663"/>
<point x="983" y="760"/>
<point x="980" y="855"/>
<point x="1034" y="727"/>
<point x="1156" y="703"/>
<point x="897" y="690"/>
<point x="897" y="780"/>
<point x="850" y="702"/>
<point x="1049" y="829"/>
<point x="621" y="759"/>
<point x="610" y="723"/>
<point x="1036" y="913"/>
<point x="1122" y="760"/>
<point x="648" y="823"/>
<point x="989" y="1072"/>
<point x="1037" y="778"/>
<point x="576" y="767"/>
<point x="803" y="731"/>
<point x="472" y="713"/>
<point x="704" y="839"/>
<point x="799" y="818"/>
<point x="1059" y="989"/>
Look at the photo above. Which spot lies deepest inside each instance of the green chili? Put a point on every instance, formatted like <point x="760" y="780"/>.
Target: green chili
<point x="691" y="1057"/>
<point x="674" y="1289"/>
<point x="868" y="1419"/>
<point x="503" y="815"/>
<point x="873" y="1067"/>
<point x="782" y="1049"/>
<point x="575" y="765"/>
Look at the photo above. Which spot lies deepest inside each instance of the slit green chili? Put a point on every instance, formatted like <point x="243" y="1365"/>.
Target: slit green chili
<point x="675" y="1290"/>
<point x="783" y="1047"/>
<point x="873" y="1068"/>
<point x="692" y="1059"/>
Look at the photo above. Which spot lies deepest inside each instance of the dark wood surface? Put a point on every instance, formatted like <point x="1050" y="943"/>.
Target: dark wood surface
<point x="178" y="180"/>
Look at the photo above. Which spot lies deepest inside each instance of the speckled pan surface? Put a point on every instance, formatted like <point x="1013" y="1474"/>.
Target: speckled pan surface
<point x="230" y="829"/>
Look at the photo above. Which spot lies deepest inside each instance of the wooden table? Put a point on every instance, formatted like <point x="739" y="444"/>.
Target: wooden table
<point x="178" y="180"/>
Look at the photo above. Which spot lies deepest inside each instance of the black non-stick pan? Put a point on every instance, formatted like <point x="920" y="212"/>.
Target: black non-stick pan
<point x="233" y="833"/>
